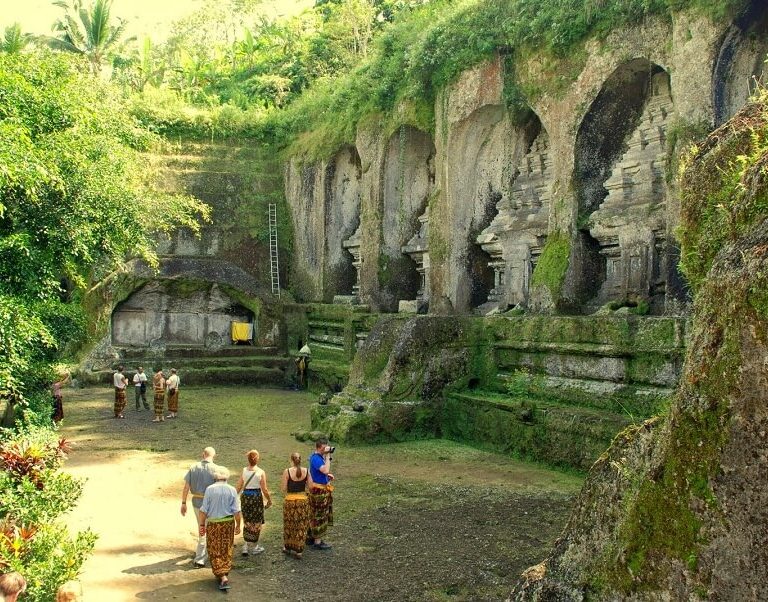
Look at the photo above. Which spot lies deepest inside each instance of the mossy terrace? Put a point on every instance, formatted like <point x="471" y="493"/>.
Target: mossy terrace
<point x="549" y="389"/>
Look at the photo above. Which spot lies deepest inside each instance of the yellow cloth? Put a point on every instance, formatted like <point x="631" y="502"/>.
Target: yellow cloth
<point x="242" y="331"/>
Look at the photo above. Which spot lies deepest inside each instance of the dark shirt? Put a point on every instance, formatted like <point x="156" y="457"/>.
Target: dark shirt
<point x="296" y="486"/>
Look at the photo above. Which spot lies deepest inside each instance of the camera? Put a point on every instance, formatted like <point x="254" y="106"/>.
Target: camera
<point x="329" y="449"/>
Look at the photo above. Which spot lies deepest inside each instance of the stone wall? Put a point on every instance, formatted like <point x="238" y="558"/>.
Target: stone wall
<point x="201" y="283"/>
<point x="675" y="508"/>
<point x="589" y="162"/>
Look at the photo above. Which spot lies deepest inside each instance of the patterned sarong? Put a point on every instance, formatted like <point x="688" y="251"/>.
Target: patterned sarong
<point x="173" y="400"/>
<point x="119" y="401"/>
<point x="58" y="408"/>
<point x="159" y="402"/>
<point x="253" y="516"/>
<point x="220" y="543"/>
<point x="296" y="515"/>
<point x="321" y="505"/>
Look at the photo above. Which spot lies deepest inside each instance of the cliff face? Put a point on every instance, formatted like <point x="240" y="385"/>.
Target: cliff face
<point x="459" y="219"/>
<point x="202" y="283"/>
<point x="677" y="505"/>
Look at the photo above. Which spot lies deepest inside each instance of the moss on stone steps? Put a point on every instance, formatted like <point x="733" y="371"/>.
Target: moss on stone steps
<point x="554" y="434"/>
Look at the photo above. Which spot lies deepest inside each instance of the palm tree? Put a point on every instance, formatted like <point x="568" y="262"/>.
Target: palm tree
<point x="13" y="40"/>
<point x="87" y="31"/>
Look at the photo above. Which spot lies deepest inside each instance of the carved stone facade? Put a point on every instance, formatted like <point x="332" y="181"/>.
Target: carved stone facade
<point x="417" y="248"/>
<point x="516" y="235"/>
<point x="593" y="175"/>
<point x="157" y="315"/>
<point x="630" y="224"/>
<point x="352" y="244"/>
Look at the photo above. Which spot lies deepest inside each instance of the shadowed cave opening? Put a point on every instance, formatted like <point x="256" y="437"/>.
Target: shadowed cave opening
<point x="740" y="63"/>
<point x="600" y="143"/>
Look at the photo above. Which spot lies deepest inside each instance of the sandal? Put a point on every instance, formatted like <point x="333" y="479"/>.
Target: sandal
<point x="224" y="585"/>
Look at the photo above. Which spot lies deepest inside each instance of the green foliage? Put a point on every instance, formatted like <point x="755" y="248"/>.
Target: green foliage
<point x="553" y="264"/>
<point x="14" y="40"/>
<point x="87" y="31"/>
<point x="34" y="493"/>
<point x="426" y="48"/>
<point x="73" y="203"/>
<point x="721" y="195"/>
<point x="522" y="384"/>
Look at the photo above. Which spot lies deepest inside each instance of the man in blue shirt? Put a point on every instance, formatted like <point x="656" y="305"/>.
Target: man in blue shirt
<point x="320" y="494"/>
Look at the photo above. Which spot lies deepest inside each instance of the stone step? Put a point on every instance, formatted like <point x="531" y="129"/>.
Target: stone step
<point x="638" y="401"/>
<point x="556" y="434"/>
<point x="232" y="375"/>
<point x="130" y="354"/>
<point x="186" y="363"/>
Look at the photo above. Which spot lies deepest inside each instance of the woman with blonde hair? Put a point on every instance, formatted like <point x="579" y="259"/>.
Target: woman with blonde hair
<point x="253" y="491"/>
<point x="296" y="512"/>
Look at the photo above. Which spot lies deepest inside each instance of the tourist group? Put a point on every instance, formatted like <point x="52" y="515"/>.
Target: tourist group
<point x="160" y="385"/>
<point x="221" y="511"/>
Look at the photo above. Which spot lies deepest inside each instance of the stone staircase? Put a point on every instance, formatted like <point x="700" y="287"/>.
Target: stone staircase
<point x="232" y="365"/>
<point x="564" y="387"/>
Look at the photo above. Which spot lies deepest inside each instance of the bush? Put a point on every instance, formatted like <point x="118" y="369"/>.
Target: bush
<point x="34" y="493"/>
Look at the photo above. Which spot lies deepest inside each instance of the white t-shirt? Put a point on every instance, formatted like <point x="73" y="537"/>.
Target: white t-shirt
<point x="139" y="378"/>
<point x="255" y="481"/>
<point x="172" y="382"/>
<point x="119" y="380"/>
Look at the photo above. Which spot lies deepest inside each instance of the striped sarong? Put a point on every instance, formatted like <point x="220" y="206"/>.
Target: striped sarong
<point x="296" y="516"/>
<point x="159" y="402"/>
<point x="173" y="400"/>
<point x="321" y="507"/>
<point x="119" y="401"/>
<point x="220" y="543"/>
<point x="253" y="515"/>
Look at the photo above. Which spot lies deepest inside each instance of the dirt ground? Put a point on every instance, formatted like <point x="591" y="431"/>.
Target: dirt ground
<point x="429" y="520"/>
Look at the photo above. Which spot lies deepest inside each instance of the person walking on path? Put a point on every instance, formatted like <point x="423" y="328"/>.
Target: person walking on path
<point x="220" y="519"/>
<point x="58" y="398"/>
<point x="120" y="383"/>
<point x="302" y="366"/>
<point x="158" y="384"/>
<point x="320" y="494"/>
<point x="140" y="384"/>
<point x="296" y="510"/>
<point x="172" y="384"/>
<point x="197" y="480"/>
<point x="254" y="498"/>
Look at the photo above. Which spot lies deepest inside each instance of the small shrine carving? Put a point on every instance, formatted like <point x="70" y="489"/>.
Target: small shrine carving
<point x="630" y="223"/>
<point x="516" y="236"/>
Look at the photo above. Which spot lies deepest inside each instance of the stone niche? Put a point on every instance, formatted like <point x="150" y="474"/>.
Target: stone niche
<point x="622" y="192"/>
<point x="417" y="248"/>
<point x="408" y="180"/>
<point x="515" y="237"/>
<point x="342" y="222"/>
<point x="182" y="313"/>
<point x="630" y="224"/>
<point x="740" y="64"/>
<point x="479" y="154"/>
